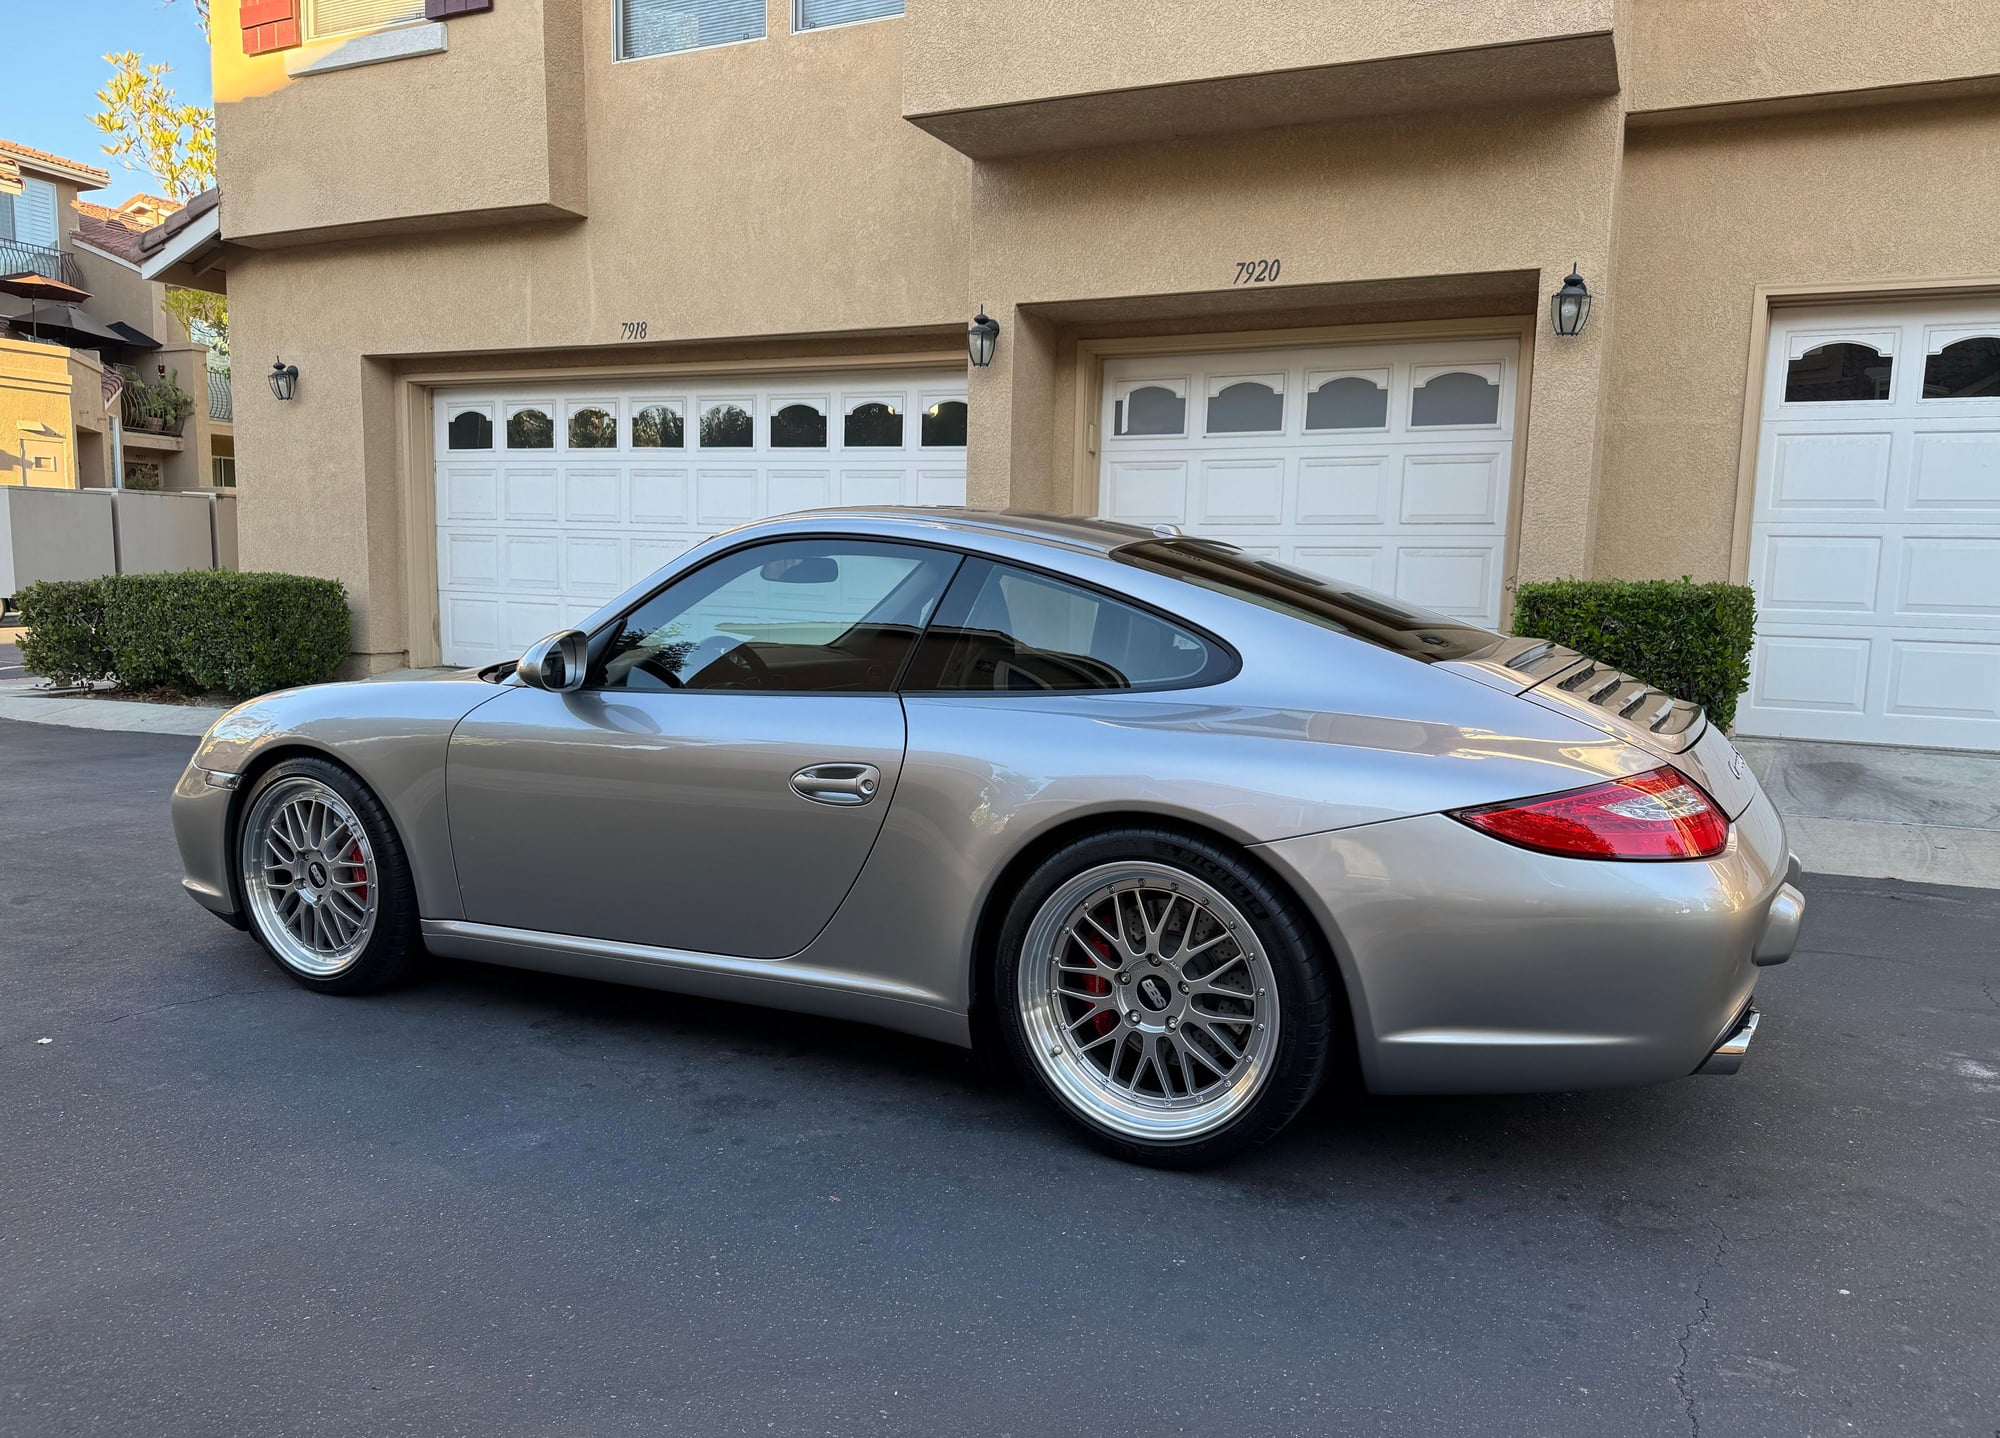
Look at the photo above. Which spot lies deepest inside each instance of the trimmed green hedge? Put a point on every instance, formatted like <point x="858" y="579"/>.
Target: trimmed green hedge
<point x="1690" y="640"/>
<point x="200" y="632"/>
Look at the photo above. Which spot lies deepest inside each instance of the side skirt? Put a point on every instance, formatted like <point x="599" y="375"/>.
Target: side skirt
<point x="770" y="983"/>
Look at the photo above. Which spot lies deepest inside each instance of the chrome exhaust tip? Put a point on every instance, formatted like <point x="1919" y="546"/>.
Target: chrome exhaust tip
<point x="1728" y="1055"/>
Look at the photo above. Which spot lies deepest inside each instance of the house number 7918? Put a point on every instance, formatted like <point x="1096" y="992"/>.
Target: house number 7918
<point x="632" y="330"/>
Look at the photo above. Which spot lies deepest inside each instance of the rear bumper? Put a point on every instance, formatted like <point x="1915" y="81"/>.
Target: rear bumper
<point x="1475" y="966"/>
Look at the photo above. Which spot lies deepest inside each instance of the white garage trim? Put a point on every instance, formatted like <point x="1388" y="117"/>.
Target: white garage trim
<point x="1380" y="486"/>
<point x="550" y="496"/>
<point x="1874" y="539"/>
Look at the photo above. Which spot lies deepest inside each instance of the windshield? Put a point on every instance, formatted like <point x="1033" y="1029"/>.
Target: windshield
<point x="1329" y="603"/>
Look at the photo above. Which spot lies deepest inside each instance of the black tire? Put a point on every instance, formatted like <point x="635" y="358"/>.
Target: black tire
<point x="1299" y="965"/>
<point x="393" y="951"/>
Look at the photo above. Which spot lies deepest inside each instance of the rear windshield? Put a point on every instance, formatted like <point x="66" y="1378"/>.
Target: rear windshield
<point x="1329" y="603"/>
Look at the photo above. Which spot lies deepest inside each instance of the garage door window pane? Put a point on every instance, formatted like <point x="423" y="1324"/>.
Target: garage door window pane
<point x="662" y="27"/>
<point x="658" y="426"/>
<point x="1969" y="369"/>
<point x="1348" y="403"/>
<point x="874" y="425"/>
<point x="470" y="429"/>
<point x="817" y="14"/>
<point x="814" y="615"/>
<point x="799" y="426"/>
<point x="1011" y="631"/>
<point x="530" y="429"/>
<point x="1460" y="397"/>
<point x="1842" y="373"/>
<point x="593" y="428"/>
<point x="725" y="426"/>
<point x="1246" y="407"/>
<point x="944" y="425"/>
<point x="1149" y="409"/>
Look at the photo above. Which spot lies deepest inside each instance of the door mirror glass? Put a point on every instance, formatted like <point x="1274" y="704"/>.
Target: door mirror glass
<point x="556" y="663"/>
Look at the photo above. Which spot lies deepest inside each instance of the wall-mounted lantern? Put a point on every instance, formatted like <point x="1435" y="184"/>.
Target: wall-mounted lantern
<point x="980" y="337"/>
<point x="284" y="379"/>
<point x="1569" y="307"/>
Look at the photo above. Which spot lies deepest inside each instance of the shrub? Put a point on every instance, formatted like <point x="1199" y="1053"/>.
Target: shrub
<point x="65" y="639"/>
<point x="199" y="632"/>
<point x="1689" y="640"/>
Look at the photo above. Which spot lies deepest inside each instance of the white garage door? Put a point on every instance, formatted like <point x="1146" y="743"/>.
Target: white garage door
<point x="1875" y="549"/>
<point x="551" y="501"/>
<point x="1387" y="465"/>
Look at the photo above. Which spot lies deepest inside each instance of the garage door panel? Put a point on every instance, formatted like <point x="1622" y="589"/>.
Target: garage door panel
<point x="1843" y="470"/>
<point x="1821" y="572"/>
<point x="1242" y="491"/>
<point x="1875" y="543"/>
<point x="1310" y="454"/>
<point x="1343" y="490"/>
<point x="1951" y="575"/>
<point x="620" y="483"/>
<point x="1957" y="469"/>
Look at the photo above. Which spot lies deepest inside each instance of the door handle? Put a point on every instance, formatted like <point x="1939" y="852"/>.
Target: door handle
<point x="844" y="784"/>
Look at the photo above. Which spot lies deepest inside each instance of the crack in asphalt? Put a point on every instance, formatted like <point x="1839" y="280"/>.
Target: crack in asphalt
<point x="179" y="1004"/>
<point x="1695" y="1325"/>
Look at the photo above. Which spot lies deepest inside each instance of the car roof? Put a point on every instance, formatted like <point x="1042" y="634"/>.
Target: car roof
<point x="1099" y="535"/>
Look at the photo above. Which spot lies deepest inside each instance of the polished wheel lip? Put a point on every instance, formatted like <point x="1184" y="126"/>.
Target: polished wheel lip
<point x="1061" y="1025"/>
<point x="310" y="877"/>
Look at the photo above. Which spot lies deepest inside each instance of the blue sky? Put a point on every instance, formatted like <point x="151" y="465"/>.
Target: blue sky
<point x="54" y="66"/>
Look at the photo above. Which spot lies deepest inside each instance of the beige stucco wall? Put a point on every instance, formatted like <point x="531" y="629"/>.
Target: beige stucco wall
<point x="35" y="416"/>
<point x="1686" y="53"/>
<point x="971" y="54"/>
<point x="1863" y="199"/>
<point x="488" y="130"/>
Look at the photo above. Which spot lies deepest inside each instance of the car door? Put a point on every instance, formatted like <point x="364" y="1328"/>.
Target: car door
<point x="718" y="781"/>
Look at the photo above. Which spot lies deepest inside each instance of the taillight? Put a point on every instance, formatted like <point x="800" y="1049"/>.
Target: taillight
<point x="1661" y="814"/>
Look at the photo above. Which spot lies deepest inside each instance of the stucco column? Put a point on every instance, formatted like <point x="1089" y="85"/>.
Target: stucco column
<point x="1010" y="418"/>
<point x="1558" y="520"/>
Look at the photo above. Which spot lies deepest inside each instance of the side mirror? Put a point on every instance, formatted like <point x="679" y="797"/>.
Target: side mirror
<point x="556" y="663"/>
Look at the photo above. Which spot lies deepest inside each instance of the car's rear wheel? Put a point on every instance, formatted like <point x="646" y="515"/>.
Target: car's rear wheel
<point x="1168" y="996"/>
<point x="325" y="879"/>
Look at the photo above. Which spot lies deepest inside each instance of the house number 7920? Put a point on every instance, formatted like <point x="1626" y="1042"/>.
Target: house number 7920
<point x="632" y="330"/>
<point x="1257" y="272"/>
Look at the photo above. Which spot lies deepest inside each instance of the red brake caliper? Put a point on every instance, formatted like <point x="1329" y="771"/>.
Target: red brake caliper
<point x="360" y="889"/>
<point x="1096" y="984"/>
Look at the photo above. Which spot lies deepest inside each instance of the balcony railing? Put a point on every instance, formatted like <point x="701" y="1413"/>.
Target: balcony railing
<point x="19" y="258"/>
<point x="150" y="409"/>
<point x="221" y="402"/>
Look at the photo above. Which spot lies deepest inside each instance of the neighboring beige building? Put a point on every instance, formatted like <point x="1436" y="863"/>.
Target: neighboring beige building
<point x="48" y="231"/>
<point x="570" y="283"/>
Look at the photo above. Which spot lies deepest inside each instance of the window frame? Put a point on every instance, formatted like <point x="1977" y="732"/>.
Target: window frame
<point x="619" y="57"/>
<point x="799" y="27"/>
<point x="1225" y="663"/>
<point x="311" y="34"/>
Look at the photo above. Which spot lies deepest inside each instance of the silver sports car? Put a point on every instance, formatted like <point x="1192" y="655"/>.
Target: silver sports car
<point x="1182" y="828"/>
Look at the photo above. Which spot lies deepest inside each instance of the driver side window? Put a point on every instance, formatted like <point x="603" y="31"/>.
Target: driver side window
<point x="794" y="616"/>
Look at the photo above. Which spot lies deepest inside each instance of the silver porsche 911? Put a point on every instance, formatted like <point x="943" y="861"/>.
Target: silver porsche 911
<point x="1183" y="828"/>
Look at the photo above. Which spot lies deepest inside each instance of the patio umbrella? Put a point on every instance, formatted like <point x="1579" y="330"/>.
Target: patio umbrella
<point x="34" y="288"/>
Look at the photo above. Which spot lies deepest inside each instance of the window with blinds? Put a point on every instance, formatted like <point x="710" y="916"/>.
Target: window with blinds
<point x="661" y="27"/>
<point x="29" y="218"/>
<point x="818" y="14"/>
<point x="328" y="18"/>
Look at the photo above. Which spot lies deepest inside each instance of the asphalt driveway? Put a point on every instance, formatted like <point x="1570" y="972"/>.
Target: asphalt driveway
<point x="501" y="1203"/>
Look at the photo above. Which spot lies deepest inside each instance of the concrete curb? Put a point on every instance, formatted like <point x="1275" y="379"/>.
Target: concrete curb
<point x="33" y="706"/>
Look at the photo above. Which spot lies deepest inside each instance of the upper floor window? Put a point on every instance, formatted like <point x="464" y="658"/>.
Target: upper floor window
<point x="326" y="19"/>
<point x="29" y="218"/>
<point x="818" y="14"/>
<point x="662" y="27"/>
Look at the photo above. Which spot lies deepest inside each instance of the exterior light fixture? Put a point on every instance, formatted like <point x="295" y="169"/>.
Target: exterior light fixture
<point x="1569" y="307"/>
<point x="980" y="337"/>
<point x="284" y="379"/>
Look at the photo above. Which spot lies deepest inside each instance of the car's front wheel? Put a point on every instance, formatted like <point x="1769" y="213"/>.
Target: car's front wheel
<point x="1168" y="996"/>
<point x="325" y="879"/>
